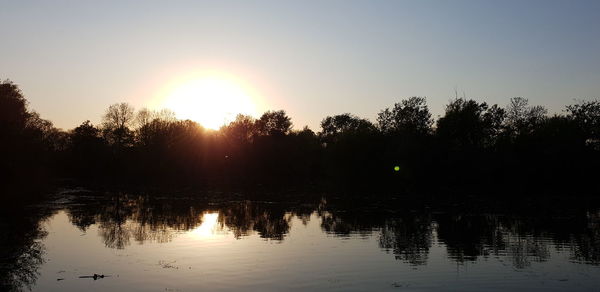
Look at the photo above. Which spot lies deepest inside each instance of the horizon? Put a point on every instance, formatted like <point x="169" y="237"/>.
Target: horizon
<point x="312" y="60"/>
<point x="97" y="121"/>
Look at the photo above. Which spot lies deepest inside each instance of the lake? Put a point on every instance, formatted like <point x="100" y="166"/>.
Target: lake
<point x="208" y="243"/>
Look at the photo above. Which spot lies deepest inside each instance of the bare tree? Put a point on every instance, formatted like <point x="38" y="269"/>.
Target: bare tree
<point x="118" y="115"/>
<point x="116" y="122"/>
<point x="143" y="117"/>
<point x="146" y="116"/>
<point x="522" y="118"/>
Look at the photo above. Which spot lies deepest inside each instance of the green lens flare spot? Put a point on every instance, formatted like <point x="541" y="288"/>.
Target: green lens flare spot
<point x="396" y="168"/>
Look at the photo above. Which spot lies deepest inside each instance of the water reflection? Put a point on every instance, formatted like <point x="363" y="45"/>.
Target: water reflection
<point x="21" y="251"/>
<point x="209" y="225"/>
<point x="408" y="231"/>
<point x="409" y="238"/>
<point x="270" y="221"/>
<point x="122" y="218"/>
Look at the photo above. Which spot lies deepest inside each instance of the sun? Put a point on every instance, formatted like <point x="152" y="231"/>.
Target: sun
<point x="211" y="100"/>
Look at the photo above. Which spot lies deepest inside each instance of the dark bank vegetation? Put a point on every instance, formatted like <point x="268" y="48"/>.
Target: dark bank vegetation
<point x="473" y="148"/>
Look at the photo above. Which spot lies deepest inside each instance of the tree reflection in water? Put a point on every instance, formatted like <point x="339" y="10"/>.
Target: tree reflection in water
<point x="408" y="230"/>
<point x="122" y="217"/>
<point x="409" y="238"/>
<point x="21" y="250"/>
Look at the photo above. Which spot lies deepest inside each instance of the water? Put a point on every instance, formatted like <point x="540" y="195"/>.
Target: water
<point x="193" y="244"/>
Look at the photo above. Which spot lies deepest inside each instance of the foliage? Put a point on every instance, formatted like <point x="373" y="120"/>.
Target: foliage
<point x="471" y="146"/>
<point x="521" y="119"/>
<point x="274" y="123"/>
<point x="468" y="124"/>
<point x="587" y="115"/>
<point x="408" y="116"/>
<point x="344" y="124"/>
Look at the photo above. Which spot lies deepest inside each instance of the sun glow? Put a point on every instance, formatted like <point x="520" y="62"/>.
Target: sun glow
<point x="212" y="100"/>
<point x="209" y="225"/>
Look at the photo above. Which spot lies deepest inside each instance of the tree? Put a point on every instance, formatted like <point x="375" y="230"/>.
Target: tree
<point x="85" y="134"/>
<point x="408" y="116"/>
<point x="87" y="150"/>
<point x="118" y="115"/>
<point x="587" y="116"/>
<point x="274" y="123"/>
<point x="306" y="134"/>
<point x="239" y="131"/>
<point x="351" y="148"/>
<point x="28" y="141"/>
<point x="152" y="124"/>
<point x="333" y="127"/>
<point x="13" y="107"/>
<point x="468" y="123"/>
<point x="493" y="119"/>
<point x="116" y="122"/>
<point x="522" y="118"/>
<point x="42" y="131"/>
<point x="145" y="116"/>
<point x="18" y="124"/>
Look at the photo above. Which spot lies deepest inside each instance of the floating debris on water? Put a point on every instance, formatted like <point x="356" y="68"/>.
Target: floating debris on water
<point x="167" y="265"/>
<point x="95" y="276"/>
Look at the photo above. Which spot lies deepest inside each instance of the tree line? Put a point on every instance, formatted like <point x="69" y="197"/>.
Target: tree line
<point x="473" y="147"/>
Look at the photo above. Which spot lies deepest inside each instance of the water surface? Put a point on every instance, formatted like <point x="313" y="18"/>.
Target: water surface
<point x="143" y="243"/>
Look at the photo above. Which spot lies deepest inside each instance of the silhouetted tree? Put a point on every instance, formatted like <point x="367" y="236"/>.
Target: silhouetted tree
<point x="86" y="136"/>
<point x="468" y="124"/>
<point x="152" y="125"/>
<point x="87" y="151"/>
<point x="465" y="143"/>
<point x="473" y="144"/>
<point x="274" y="123"/>
<point x="333" y="128"/>
<point x="521" y="118"/>
<point x="116" y="122"/>
<point x="587" y="116"/>
<point x="13" y="108"/>
<point x="350" y="149"/>
<point x="410" y="116"/>
<point x="406" y="143"/>
<point x="28" y="143"/>
<point x="240" y="131"/>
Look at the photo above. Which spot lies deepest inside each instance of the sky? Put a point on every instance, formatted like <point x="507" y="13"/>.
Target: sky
<point x="72" y="59"/>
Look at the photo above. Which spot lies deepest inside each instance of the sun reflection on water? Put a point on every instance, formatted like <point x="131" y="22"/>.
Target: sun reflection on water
<point x="209" y="227"/>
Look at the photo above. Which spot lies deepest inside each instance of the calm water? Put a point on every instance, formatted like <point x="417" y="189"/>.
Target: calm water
<point x="194" y="244"/>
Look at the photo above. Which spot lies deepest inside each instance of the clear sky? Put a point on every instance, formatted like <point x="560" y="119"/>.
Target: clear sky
<point x="72" y="59"/>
